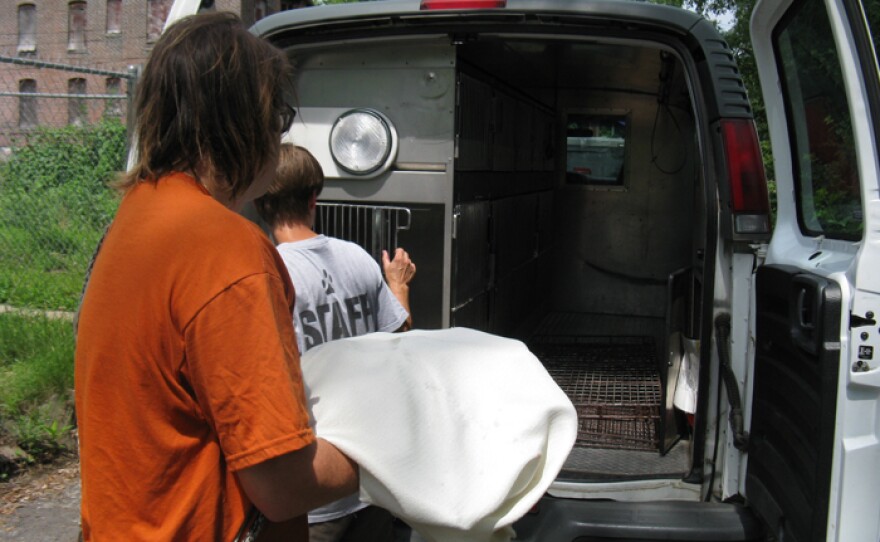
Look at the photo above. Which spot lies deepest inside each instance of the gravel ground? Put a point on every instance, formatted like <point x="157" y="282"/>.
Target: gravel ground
<point x="42" y="505"/>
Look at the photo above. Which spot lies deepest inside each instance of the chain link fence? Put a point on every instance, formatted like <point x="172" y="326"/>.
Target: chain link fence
<point x="63" y="138"/>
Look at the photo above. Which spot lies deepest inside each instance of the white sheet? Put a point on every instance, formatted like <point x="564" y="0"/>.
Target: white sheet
<point x="685" y="397"/>
<point x="457" y="432"/>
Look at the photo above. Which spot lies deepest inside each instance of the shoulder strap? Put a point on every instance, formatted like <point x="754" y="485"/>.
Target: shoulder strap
<point x="82" y="294"/>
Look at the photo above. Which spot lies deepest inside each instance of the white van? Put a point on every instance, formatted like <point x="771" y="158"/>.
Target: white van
<point x="586" y="177"/>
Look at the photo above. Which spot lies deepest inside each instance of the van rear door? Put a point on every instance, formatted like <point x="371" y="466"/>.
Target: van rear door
<point x="814" y="448"/>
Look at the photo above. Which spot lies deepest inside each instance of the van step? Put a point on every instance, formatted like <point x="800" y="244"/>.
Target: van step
<point x="613" y="383"/>
<point x="566" y="520"/>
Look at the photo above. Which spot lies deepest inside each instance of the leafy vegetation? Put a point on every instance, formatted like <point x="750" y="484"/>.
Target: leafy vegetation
<point x="54" y="204"/>
<point x="36" y="383"/>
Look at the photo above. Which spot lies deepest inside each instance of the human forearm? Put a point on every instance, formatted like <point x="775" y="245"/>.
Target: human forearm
<point x="401" y="293"/>
<point x="294" y="483"/>
<point x="398" y="274"/>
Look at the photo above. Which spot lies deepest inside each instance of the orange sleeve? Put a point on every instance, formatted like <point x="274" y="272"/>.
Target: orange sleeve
<point x="243" y="367"/>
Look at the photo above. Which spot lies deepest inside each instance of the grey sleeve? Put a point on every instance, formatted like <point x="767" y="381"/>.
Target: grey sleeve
<point x="392" y="315"/>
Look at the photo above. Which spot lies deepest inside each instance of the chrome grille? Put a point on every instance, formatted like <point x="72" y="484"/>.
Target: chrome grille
<point x="373" y="227"/>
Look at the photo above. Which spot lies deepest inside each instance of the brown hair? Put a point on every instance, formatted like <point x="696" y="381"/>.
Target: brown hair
<point x="298" y="177"/>
<point x="212" y="95"/>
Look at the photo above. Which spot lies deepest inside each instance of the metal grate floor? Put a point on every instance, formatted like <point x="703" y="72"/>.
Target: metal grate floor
<point x="613" y="383"/>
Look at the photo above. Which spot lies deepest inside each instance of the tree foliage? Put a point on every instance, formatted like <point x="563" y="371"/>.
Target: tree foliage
<point x="737" y="37"/>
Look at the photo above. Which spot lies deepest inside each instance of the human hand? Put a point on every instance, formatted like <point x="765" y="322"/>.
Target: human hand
<point x="400" y="270"/>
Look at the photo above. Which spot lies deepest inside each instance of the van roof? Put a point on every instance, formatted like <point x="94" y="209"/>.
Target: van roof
<point x="725" y="96"/>
<point x="389" y="14"/>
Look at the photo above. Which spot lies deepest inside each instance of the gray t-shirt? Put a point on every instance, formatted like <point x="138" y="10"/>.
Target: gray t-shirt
<point x="340" y="293"/>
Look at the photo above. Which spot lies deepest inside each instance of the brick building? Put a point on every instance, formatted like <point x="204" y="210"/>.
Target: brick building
<point x="102" y="38"/>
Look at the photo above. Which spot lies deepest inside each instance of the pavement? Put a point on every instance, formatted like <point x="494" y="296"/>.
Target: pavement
<point x="42" y="505"/>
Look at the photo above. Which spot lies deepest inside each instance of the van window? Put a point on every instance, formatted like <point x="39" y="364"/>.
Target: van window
<point x="595" y="149"/>
<point x="819" y="123"/>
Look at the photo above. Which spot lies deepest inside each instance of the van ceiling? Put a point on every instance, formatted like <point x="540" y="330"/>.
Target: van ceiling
<point x="534" y="65"/>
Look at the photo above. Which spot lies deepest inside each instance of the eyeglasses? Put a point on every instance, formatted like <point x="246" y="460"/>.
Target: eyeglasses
<point x="285" y="117"/>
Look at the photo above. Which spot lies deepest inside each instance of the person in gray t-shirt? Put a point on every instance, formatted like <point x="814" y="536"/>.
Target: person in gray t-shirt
<point x="340" y="293"/>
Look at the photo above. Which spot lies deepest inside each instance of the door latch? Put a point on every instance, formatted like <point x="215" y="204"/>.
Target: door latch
<point x="861" y="321"/>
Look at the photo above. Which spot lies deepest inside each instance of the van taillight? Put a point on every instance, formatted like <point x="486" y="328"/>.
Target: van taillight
<point x="462" y="4"/>
<point x="749" y="199"/>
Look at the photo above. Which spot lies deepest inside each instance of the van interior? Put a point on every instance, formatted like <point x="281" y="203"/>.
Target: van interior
<point x="580" y="224"/>
<point x="587" y="194"/>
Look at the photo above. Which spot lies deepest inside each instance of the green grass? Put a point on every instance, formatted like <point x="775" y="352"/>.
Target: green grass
<point x="36" y="383"/>
<point x="36" y="359"/>
<point x="54" y="204"/>
<point x="37" y="273"/>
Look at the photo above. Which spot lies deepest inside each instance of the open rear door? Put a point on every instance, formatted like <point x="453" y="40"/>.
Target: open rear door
<point x="814" y="457"/>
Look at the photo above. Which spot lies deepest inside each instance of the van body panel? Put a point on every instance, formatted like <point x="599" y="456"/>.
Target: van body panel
<point x="412" y="84"/>
<point x="849" y="265"/>
<point x="742" y="347"/>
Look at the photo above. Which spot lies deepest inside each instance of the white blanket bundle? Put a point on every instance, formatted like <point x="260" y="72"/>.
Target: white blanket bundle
<point x="457" y="432"/>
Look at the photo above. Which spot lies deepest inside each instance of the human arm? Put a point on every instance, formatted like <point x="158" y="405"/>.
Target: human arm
<point x="294" y="483"/>
<point x="399" y="271"/>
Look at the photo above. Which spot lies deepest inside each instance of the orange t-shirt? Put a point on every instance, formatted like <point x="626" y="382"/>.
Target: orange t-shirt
<point x="186" y="368"/>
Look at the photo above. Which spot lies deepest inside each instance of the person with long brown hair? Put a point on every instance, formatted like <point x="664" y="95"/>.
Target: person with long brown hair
<point x="189" y="395"/>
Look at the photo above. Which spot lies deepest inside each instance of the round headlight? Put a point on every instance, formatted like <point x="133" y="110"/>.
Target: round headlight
<point x="361" y="141"/>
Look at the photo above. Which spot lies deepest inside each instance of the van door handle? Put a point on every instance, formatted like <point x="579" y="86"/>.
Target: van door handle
<point x="805" y="318"/>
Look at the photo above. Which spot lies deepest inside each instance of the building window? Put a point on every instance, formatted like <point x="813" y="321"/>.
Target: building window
<point x="114" y="105"/>
<point x="157" y="12"/>
<point x="76" y="26"/>
<point x="296" y="4"/>
<point x="27" y="28"/>
<point x="76" y="107"/>
<point x="114" y="16"/>
<point x="27" y="105"/>
<point x="260" y="9"/>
